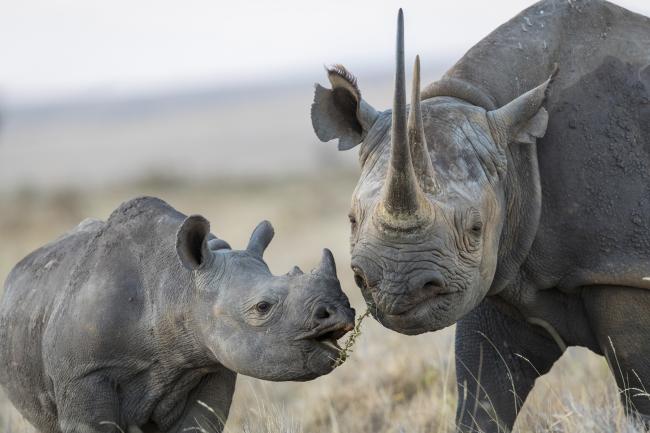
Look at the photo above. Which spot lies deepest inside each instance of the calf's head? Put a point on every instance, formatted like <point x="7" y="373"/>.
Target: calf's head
<point x="429" y="207"/>
<point x="265" y="326"/>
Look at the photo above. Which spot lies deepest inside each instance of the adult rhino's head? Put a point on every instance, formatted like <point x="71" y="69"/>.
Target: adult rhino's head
<point x="428" y="210"/>
<point x="254" y="323"/>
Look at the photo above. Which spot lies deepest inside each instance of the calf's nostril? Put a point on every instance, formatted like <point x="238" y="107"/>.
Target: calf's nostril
<point x="321" y="312"/>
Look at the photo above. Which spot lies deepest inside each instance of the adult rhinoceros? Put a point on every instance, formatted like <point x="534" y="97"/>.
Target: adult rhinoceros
<point x="528" y="226"/>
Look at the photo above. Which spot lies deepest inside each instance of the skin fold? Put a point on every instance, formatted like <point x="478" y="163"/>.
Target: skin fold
<point x="511" y="198"/>
<point x="143" y="322"/>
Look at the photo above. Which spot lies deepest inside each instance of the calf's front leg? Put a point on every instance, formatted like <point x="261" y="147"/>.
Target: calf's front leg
<point x="88" y="405"/>
<point x="209" y="403"/>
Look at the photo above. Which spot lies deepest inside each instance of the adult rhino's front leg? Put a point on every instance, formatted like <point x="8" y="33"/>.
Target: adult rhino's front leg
<point x="619" y="319"/>
<point x="498" y="359"/>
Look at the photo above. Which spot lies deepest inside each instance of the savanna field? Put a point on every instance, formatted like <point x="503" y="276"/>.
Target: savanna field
<point x="391" y="383"/>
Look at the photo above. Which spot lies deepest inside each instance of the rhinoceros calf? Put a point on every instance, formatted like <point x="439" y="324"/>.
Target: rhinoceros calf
<point x="144" y="321"/>
<point x="530" y="226"/>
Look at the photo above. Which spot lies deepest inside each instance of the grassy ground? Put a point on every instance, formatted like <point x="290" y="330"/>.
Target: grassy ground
<point x="392" y="383"/>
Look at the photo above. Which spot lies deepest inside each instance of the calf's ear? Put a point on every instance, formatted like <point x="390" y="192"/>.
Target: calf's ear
<point x="340" y="112"/>
<point x="216" y="244"/>
<point x="260" y="239"/>
<point x="524" y="119"/>
<point x="192" y="242"/>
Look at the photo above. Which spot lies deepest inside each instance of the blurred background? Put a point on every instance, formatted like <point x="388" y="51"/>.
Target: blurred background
<point x="206" y="104"/>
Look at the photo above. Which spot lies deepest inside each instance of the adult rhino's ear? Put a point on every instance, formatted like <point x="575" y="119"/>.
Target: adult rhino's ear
<point x="192" y="242"/>
<point x="340" y="112"/>
<point x="524" y="119"/>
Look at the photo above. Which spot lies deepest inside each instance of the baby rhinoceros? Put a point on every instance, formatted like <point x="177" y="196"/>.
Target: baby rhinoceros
<point x="144" y="321"/>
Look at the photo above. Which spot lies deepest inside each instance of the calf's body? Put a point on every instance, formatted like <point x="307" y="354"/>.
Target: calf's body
<point x="107" y="328"/>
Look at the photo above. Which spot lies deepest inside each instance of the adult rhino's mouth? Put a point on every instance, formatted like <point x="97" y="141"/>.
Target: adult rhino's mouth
<point x="399" y="294"/>
<point x="429" y="314"/>
<point x="403" y="303"/>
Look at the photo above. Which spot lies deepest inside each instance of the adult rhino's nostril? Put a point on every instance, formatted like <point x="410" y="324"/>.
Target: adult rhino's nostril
<point x="429" y="281"/>
<point x="322" y="312"/>
<point x="433" y="283"/>
<point x="359" y="278"/>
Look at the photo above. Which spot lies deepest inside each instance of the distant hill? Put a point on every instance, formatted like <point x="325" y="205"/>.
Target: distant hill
<point x="255" y="130"/>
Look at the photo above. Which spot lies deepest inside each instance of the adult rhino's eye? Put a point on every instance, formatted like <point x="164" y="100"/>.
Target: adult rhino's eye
<point x="473" y="219"/>
<point x="263" y="307"/>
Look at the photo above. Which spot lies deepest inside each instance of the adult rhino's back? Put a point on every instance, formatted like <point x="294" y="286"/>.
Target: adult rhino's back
<point x="578" y="36"/>
<point x="31" y="290"/>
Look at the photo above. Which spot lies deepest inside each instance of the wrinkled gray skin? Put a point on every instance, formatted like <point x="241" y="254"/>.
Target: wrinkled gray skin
<point x="132" y="322"/>
<point x="514" y="205"/>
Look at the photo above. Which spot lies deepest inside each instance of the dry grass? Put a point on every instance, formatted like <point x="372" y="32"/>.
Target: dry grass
<point x="351" y="339"/>
<point x="390" y="383"/>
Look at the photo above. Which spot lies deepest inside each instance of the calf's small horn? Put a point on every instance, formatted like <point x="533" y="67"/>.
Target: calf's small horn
<point x="327" y="265"/>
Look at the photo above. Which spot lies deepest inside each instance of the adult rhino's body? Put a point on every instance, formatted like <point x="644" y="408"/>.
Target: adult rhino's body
<point x="528" y="226"/>
<point x="594" y="161"/>
<point x="144" y="321"/>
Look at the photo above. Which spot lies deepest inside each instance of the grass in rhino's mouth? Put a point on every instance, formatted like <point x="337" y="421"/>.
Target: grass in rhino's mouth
<point x="346" y="350"/>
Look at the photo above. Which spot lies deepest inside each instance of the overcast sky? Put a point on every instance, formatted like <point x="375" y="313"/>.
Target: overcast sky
<point x="60" y="48"/>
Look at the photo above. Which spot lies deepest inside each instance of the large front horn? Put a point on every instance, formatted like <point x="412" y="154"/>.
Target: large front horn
<point x="401" y="196"/>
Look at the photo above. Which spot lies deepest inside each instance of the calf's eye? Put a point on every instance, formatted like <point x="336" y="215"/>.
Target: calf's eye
<point x="263" y="307"/>
<point x="477" y="228"/>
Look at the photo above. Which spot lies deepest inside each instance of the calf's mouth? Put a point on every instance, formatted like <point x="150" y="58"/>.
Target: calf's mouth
<point x="328" y="337"/>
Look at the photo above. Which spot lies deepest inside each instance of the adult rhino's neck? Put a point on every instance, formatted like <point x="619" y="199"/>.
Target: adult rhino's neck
<point x="523" y="205"/>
